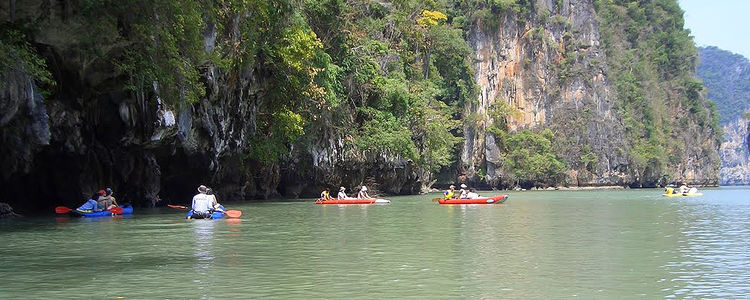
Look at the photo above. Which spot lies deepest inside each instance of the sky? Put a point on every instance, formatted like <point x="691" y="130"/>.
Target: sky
<point x="721" y="23"/>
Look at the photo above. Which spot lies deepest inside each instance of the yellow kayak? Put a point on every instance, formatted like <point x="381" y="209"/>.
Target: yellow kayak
<point x="683" y="195"/>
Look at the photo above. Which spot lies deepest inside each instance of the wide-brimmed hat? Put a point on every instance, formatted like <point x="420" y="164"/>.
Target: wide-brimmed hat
<point x="101" y="193"/>
<point x="364" y="188"/>
<point x="342" y="188"/>
<point x="202" y="188"/>
<point x="463" y="186"/>
<point x="452" y="187"/>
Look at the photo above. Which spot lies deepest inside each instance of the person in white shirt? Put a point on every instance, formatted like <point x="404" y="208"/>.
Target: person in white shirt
<point x="472" y="194"/>
<point x="202" y="204"/>
<point x="342" y="195"/>
<point x="463" y="192"/>
<point x="363" y="193"/>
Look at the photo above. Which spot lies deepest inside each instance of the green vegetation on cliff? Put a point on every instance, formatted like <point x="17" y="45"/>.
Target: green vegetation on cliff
<point x="384" y="79"/>
<point x="652" y="59"/>
<point x="727" y="77"/>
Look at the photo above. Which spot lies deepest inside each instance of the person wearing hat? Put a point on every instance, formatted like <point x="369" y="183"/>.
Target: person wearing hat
<point x="450" y="193"/>
<point x="462" y="192"/>
<point x="202" y="204"/>
<point x="109" y="201"/>
<point x="363" y="193"/>
<point x="342" y="195"/>
<point x="101" y="202"/>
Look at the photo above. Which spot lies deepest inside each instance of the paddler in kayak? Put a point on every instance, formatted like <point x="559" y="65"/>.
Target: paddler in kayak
<point x="202" y="204"/>
<point x="214" y="203"/>
<point x="342" y="195"/>
<point x="472" y="194"/>
<point x="91" y="204"/>
<point x="363" y="193"/>
<point x="450" y="192"/>
<point x="325" y="195"/>
<point x="462" y="193"/>
<point x="109" y="201"/>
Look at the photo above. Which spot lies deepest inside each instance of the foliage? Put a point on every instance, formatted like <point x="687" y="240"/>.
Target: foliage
<point x="16" y="53"/>
<point x="727" y="79"/>
<point x="649" y="49"/>
<point x="529" y="158"/>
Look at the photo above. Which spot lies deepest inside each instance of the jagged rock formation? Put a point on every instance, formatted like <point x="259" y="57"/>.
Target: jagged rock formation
<point x="727" y="78"/>
<point x="735" y="157"/>
<point x="554" y="69"/>
<point x="550" y="63"/>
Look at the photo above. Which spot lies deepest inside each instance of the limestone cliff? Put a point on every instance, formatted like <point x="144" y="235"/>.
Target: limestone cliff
<point x="554" y="70"/>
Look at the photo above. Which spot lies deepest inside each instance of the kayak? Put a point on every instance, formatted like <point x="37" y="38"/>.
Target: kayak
<point x="354" y="201"/>
<point x="126" y="210"/>
<point x="683" y="195"/>
<point x="215" y="215"/>
<point x="484" y="200"/>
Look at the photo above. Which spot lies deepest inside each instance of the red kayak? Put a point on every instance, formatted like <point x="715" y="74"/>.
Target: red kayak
<point x="485" y="200"/>
<point x="354" y="201"/>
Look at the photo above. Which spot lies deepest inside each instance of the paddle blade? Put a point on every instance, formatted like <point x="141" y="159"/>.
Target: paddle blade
<point x="233" y="213"/>
<point x="177" y="206"/>
<point x="436" y="199"/>
<point x="116" y="210"/>
<point x="62" y="210"/>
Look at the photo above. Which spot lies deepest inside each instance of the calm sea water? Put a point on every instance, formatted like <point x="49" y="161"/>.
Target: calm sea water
<point x="541" y="245"/>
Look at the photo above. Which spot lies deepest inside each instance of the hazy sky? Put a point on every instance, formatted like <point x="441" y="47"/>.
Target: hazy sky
<point x="721" y="23"/>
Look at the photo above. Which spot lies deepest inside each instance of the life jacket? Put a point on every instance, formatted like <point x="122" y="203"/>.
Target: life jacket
<point x="325" y="195"/>
<point x="449" y="194"/>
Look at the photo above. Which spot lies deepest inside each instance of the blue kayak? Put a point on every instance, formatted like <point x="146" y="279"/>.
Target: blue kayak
<point x="126" y="210"/>
<point x="215" y="215"/>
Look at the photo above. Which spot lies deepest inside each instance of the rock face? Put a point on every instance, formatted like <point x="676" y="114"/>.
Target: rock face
<point x="735" y="157"/>
<point x="91" y="135"/>
<point x="554" y="71"/>
<point x="727" y="78"/>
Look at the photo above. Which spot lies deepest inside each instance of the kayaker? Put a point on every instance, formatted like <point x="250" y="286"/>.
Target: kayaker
<point x="202" y="204"/>
<point x="101" y="201"/>
<point x="462" y="192"/>
<point x="683" y="189"/>
<point x="693" y="190"/>
<point x="325" y="195"/>
<point x="450" y="192"/>
<point x="109" y="201"/>
<point x="472" y="194"/>
<point x="342" y="195"/>
<point x="90" y="205"/>
<point x="214" y="203"/>
<point x="363" y="193"/>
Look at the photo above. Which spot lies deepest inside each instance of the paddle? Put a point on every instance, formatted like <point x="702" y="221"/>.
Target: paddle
<point x="436" y="199"/>
<point x="62" y="209"/>
<point x="230" y="213"/>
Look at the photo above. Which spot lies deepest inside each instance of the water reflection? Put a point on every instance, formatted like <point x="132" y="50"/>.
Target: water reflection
<point x="203" y="237"/>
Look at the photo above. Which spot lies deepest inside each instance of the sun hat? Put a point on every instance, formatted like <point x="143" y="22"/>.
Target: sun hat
<point x="109" y="191"/>
<point x="453" y="186"/>
<point x="202" y="188"/>
<point x="364" y="188"/>
<point x="342" y="188"/>
<point x="463" y="186"/>
<point x="101" y="192"/>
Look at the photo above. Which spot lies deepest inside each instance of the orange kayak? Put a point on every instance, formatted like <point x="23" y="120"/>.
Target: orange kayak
<point x="485" y="200"/>
<point x="354" y="201"/>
